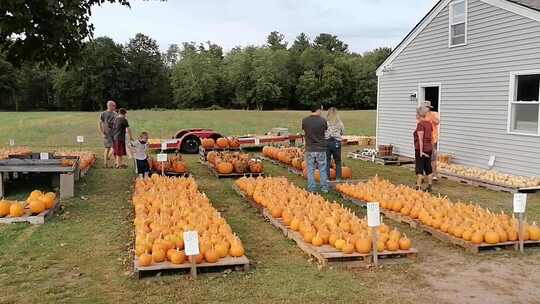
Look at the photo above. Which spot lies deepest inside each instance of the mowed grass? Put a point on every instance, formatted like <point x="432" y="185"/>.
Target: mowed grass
<point x="84" y="253"/>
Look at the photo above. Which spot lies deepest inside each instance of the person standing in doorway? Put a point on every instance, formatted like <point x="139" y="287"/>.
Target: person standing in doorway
<point x="314" y="127"/>
<point x="105" y="128"/>
<point x="434" y="118"/>
<point x="423" y="148"/>
<point x="120" y="129"/>
<point x="333" y="136"/>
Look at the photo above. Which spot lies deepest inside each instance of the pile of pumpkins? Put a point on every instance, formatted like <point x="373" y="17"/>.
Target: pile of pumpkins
<point x="294" y="157"/>
<point x="36" y="203"/>
<point x="469" y="222"/>
<point x="6" y="152"/>
<point x="222" y="143"/>
<point x="317" y="220"/>
<point x="173" y="164"/>
<point x="166" y="207"/>
<point x="237" y="162"/>
<point x="491" y="176"/>
<point x="86" y="159"/>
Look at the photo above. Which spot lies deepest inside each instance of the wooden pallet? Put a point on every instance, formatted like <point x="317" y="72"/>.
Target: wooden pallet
<point x="227" y="263"/>
<point x="485" y="184"/>
<point x="172" y="174"/>
<point x="327" y="255"/>
<point x="401" y="160"/>
<point x="38" y="219"/>
<point x="445" y="237"/>
<point x="231" y="175"/>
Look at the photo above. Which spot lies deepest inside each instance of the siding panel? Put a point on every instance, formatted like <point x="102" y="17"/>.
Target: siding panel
<point x="475" y="84"/>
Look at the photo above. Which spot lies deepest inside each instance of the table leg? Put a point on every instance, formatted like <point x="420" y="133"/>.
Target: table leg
<point x="2" y="185"/>
<point x="67" y="185"/>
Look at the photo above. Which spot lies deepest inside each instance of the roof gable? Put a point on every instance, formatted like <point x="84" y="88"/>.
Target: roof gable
<point x="526" y="8"/>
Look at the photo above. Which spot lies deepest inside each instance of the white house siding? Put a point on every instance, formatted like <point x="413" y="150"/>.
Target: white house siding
<point x="475" y="88"/>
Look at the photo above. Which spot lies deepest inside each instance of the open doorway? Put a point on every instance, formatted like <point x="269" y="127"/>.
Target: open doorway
<point x="431" y="92"/>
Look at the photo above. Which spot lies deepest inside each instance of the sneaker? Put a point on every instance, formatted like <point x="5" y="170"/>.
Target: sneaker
<point x="429" y="189"/>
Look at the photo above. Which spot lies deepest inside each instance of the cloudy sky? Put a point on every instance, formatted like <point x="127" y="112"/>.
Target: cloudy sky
<point x="363" y="24"/>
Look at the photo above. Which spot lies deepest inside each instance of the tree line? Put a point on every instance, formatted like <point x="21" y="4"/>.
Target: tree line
<point x="276" y="75"/>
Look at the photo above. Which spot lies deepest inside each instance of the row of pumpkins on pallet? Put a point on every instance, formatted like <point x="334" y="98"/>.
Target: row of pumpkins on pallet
<point x="173" y="164"/>
<point x="469" y="222"/>
<point x="317" y="220"/>
<point x="222" y="142"/>
<point x="6" y="152"/>
<point x="294" y="157"/>
<point x="165" y="207"/>
<point x="491" y="176"/>
<point x="36" y="203"/>
<point x="86" y="159"/>
<point x="237" y="162"/>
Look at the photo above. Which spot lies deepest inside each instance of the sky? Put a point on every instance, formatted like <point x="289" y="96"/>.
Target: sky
<point x="362" y="24"/>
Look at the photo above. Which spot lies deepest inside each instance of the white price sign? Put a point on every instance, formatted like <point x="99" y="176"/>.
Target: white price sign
<point x="43" y="155"/>
<point x="163" y="146"/>
<point x="491" y="161"/>
<point x="80" y="139"/>
<point x="520" y="202"/>
<point x="12" y="142"/>
<point x="191" y="243"/>
<point x="373" y="214"/>
<point x="162" y="157"/>
<point x="373" y="157"/>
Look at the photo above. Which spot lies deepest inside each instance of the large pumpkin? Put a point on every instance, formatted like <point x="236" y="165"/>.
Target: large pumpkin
<point x="256" y="167"/>
<point x="208" y="143"/>
<point x="222" y="143"/>
<point x="16" y="210"/>
<point x="346" y="173"/>
<point x="225" y="168"/>
<point x="179" y="167"/>
<point x="211" y="157"/>
<point x="4" y="208"/>
<point x="233" y="142"/>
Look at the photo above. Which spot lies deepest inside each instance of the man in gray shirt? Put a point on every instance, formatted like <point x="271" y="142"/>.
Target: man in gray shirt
<point x="105" y="126"/>
<point x="314" y="127"/>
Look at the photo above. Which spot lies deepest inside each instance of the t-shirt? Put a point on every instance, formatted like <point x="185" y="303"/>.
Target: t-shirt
<point x="140" y="149"/>
<point x="119" y="128"/>
<point x="107" y="121"/>
<point x="423" y="126"/>
<point x="433" y="117"/>
<point x="314" y="127"/>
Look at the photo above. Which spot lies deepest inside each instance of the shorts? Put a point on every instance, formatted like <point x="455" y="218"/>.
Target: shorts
<point x="108" y="141"/>
<point x="143" y="166"/>
<point x="119" y="147"/>
<point x="434" y="152"/>
<point x="422" y="163"/>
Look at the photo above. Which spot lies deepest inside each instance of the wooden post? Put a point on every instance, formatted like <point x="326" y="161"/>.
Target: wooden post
<point x="67" y="185"/>
<point x="2" y="184"/>
<point x="374" y="235"/>
<point x="521" y="228"/>
<point x="193" y="267"/>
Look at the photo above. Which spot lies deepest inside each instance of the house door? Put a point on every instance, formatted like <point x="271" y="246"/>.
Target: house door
<point x="431" y="93"/>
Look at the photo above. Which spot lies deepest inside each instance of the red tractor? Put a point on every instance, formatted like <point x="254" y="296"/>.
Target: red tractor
<point x="187" y="141"/>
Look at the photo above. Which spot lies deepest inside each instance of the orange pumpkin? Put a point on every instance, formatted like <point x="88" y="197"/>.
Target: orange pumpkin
<point x="208" y="143"/>
<point x="179" y="167"/>
<point x="211" y="157"/>
<point x="225" y="168"/>
<point x="4" y="208"/>
<point x="256" y="167"/>
<point x="36" y="206"/>
<point x="346" y="173"/>
<point x="145" y="260"/>
<point x="233" y="142"/>
<point x="222" y="143"/>
<point x="16" y="210"/>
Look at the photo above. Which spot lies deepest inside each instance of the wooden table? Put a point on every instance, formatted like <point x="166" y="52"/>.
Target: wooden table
<point x="66" y="174"/>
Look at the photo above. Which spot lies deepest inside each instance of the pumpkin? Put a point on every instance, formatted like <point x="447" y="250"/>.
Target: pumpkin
<point x="145" y="260"/>
<point x="233" y="142"/>
<point x="208" y="143"/>
<point x="36" y="206"/>
<point x="225" y="168"/>
<point x="16" y="210"/>
<point x="236" y="250"/>
<point x="222" y="249"/>
<point x="491" y="237"/>
<point x="179" y="167"/>
<point x="363" y="245"/>
<point x="158" y="255"/>
<point x="178" y="257"/>
<point x="346" y="173"/>
<point x="317" y="240"/>
<point x="222" y="143"/>
<point x="256" y="167"/>
<point x="534" y="232"/>
<point x="240" y="166"/>
<point x="4" y="208"/>
<point x="405" y="243"/>
<point x="392" y="245"/>
<point x="211" y="256"/>
<point x="211" y="157"/>
<point x="477" y="237"/>
<point x="49" y="199"/>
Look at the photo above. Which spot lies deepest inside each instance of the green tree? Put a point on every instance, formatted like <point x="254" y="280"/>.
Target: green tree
<point x="300" y="44"/>
<point x="331" y="85"/>
<point x="276" y="41"/>
<point x="330" y="43"/>
<point x="308" y="89"/>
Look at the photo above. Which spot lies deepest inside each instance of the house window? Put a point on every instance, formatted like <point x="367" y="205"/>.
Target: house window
<point x="458" y="23"/>
<point x="524" y="104"/>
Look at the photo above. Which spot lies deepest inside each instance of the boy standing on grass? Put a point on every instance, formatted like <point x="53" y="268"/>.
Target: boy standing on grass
<point x="120" y="129"/>
<point x="140" y="146"/>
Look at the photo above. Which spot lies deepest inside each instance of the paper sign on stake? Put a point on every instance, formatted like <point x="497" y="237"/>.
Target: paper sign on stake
<point x="162" y="157"/>
<point x="163" y="146"/>
<point x="43" y="155"/>
<point x="373" y="157"/>
<point x="80" y="139"/>
<point x="191" y="243"/>
<point x="520" y="202"/>
<point x="373" y="214"/>
<point x="491" y="162"/>
<point x="12" y="142"/>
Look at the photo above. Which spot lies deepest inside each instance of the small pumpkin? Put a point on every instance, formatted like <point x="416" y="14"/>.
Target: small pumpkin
<point x="158" y="255"/>
<point x="534" y="232"/>
<point x="36" y="206"/>
<point x="4" y="208"/>
<point x="211" y="256"/>
<point x="178" y="257"/>
<point x="208" y="143"/>
<point x="233" y="142"/>
<point x="16" y="210"/>
<point x="145" y="260"/>
<point x="346" y="173"/>
<point x="405" y="243"/>
<point x="491" y="237"/>
<point x="222" y="143"/>
<point x="363" y="245"/>
<point x="236" y="250"/>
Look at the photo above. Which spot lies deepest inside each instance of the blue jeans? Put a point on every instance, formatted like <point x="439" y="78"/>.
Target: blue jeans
<point x="316" y="160"/>
<point x="334" y="151"/>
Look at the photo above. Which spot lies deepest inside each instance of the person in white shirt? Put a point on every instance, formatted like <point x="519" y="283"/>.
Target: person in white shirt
<point x="140" y="146"/>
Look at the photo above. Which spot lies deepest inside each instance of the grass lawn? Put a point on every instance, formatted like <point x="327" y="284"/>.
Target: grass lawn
<point x="83" y="254"/>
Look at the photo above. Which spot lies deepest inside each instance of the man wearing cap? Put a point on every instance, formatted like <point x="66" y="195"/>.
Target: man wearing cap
<point x="105" y="127"/>
<point x="434" y="119"/>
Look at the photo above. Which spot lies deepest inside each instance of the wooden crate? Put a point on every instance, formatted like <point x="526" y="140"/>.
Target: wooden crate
<point x="485" y="184"/>
<point x="445" y="237"/>
<point x="231" y="175"/>
<point x="226" y="263"/>
<point x="327" y="255"/>
<point x="38" y="219"/>
<point x="395" y="160"/>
